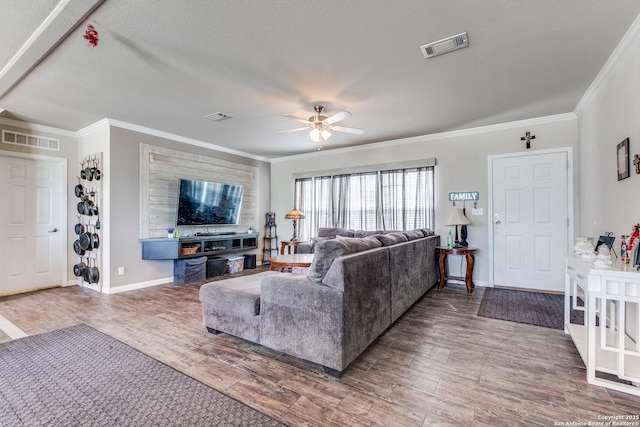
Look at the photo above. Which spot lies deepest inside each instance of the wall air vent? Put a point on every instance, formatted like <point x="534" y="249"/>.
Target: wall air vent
<point x="449" y="44"/>
<point x="217" y="117"/>
<point x="16" y="138"/>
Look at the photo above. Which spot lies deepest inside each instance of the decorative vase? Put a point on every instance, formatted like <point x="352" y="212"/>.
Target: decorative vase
<point x="170" y="235"/>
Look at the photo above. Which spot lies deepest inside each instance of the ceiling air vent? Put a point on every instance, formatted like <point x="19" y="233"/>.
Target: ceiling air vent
<point x="449" y="44"/>
<point x="217" y="117"/>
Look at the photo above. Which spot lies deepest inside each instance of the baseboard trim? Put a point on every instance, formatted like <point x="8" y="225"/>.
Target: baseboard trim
<point x="135" y="286"/>
<point x="475" y="282"/>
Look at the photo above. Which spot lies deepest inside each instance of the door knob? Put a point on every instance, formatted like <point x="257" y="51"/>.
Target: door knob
<point x="54" y="230"/>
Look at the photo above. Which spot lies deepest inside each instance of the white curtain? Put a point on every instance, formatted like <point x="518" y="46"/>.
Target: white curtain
<point x="407" y="198"/>
<point x="356" y="200"/>
<point x="313" y="197"/>
<point x="389" y="200"/>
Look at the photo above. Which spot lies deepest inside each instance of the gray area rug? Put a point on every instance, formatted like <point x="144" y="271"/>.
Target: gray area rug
<point x="78" y="376"/>
<point x="533" y="308"/>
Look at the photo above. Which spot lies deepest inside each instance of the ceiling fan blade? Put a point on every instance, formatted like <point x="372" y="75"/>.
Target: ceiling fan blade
<point x="294" y="130"/>
<point x="340" y="115"/>
<point x="290" y="116"/>
<point x="348" y="130"/>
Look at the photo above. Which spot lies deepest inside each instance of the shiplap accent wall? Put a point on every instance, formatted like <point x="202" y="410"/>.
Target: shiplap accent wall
<point x="160" y="171"/>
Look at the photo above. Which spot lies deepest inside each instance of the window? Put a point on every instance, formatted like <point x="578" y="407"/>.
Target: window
<point x="399" y="199"/>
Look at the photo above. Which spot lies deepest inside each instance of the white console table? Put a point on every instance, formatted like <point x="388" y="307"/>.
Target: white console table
<point x="613" y="296"/>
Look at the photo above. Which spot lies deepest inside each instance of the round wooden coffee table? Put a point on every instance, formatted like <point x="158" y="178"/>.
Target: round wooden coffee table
<point x="283" y="262"/>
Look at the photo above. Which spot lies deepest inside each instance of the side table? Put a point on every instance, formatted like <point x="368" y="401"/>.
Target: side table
<point x="289" y="244"/>
<point x="443" y="252"/>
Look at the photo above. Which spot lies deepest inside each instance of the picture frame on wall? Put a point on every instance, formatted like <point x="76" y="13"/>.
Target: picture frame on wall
<point x="622" y="151"/>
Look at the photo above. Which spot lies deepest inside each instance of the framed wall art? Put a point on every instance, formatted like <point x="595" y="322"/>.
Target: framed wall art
<point x="622" y="151"/>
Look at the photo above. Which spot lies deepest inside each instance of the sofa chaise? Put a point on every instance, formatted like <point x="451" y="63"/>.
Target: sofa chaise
<point x="355" y="289"/>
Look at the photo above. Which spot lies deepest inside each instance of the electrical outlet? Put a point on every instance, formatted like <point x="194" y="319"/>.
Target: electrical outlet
<point x="120" y="271"/>
<point x="476" y="211"/>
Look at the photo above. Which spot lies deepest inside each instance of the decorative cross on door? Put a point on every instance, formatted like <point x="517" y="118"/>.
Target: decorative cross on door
<point x="528" y="137"/>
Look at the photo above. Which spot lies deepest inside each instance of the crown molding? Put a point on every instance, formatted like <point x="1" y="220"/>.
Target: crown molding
<point x="622" y="47"/>
<point x="99" y="125"/>
<point x="184" y="140"/>
<point x="40" y="128"/>
<point x="136" y="128"/>
<point x="434" y="136"/>
<point x="395" y="142"/>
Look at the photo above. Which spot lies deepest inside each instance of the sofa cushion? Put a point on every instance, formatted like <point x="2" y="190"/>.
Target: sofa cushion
<point x="315" y="240"/>
<point x="427" y="232"/>
<point x="239" y="295"/>
<point x="333" y="232"/>
<point x="413" y="234"/>
<point x="366" y="233"/>
<point x="391" y="238"/>
<point x="327" y="250"/>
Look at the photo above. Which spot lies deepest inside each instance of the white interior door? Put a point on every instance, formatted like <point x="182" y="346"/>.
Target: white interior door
<point x="31" y="223"/>
<point x="530" y="220"/>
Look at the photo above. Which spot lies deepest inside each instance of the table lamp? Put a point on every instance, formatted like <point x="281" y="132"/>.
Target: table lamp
<point x="295" y="215"/>
<point x="457" y="218"/>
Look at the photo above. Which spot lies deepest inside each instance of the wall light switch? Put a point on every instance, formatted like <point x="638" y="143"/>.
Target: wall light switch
<point x="476" y="211"/>
<point x="120" y="271"/>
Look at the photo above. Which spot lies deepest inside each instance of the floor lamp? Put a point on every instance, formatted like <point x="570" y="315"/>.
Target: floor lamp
<point x="457" y="218"/>
<point x="295" y="215"/>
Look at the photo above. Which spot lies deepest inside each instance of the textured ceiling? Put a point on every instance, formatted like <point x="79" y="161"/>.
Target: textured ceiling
<point x="164" y="65"/>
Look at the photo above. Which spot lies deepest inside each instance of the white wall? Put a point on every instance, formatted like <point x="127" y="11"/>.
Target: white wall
<point x="461" y="166"/>
<point x="609" y="113"/>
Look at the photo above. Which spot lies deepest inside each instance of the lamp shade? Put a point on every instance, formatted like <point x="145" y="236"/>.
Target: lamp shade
<point x="294" y="214"/>
<point x="458" y="218"/>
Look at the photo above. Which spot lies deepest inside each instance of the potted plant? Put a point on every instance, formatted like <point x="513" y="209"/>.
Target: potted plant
<point x="170" y="231"/>
<point x="250" y="229"/>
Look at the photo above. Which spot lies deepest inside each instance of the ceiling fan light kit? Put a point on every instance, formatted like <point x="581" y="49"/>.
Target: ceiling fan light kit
<point x="319" y="126"/>
<point x="319" y="135"/>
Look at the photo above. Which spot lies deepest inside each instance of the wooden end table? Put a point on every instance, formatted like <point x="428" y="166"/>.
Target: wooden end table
<point x="468" y="253"/>
<point x="282" y="262"/>
<point x="290" y="244"/>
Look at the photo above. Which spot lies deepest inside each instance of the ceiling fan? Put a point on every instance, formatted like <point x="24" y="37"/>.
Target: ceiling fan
<point x="319" y="126"/>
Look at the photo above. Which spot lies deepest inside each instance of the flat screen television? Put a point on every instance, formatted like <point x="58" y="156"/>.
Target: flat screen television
<point x="208" y="203"/>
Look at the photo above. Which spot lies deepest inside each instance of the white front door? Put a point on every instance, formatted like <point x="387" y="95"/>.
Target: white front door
<point x="31" y="223"/>
<point x="530" y="220"/>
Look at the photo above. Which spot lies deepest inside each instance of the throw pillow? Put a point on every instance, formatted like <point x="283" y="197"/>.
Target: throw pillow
<point x="327" y="251"/>
<point x="324" y="253"/>
<point x="366" y="233"/>
<point x="427" y="232"/>
<point x="391" y="238"/>
<point x="333" y="232"/>
<point x="315" y="240"/>
<point x="413" y="234"/>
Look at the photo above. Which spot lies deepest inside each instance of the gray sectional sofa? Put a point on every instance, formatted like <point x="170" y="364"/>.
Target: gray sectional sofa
<point x="355" y="289"/>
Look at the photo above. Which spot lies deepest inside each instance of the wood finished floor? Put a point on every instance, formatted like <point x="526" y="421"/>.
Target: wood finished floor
<point x="440" y="364"/>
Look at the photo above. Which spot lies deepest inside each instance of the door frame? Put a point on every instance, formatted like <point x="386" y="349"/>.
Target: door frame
<point x="63" y="164"/>
<point x="570" y="198"/>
